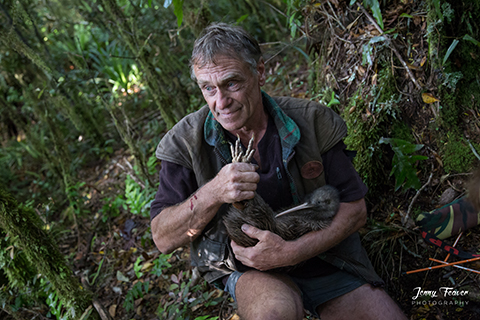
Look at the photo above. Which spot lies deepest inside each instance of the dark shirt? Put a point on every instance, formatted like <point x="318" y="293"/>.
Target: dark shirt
<point x="177" y="183"/>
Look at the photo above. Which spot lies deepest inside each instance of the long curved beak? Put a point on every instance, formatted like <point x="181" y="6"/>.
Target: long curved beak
<point x="299" y="207"/>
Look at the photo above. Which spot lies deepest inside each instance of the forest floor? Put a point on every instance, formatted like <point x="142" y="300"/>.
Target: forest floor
<point x="113" y="256"/>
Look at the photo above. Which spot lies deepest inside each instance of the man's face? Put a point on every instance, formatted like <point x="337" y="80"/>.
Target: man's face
<point x="232" y="91"/>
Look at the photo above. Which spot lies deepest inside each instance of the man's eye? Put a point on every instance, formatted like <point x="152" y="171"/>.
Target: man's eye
<point x="231" y="84"/>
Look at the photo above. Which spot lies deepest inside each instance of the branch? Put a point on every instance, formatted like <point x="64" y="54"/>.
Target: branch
<point x="404" y="219"/>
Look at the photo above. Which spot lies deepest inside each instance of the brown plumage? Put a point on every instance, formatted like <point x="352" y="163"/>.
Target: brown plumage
<point x="315" y="213"/>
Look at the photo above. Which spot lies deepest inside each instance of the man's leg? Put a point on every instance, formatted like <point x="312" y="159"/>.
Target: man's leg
<point x="268" y="296"/>
<point x="365" y="302"/>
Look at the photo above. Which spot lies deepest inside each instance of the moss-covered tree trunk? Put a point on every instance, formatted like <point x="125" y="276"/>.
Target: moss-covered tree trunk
<point x="42" y="252"/>
<point x="453" y="33"/>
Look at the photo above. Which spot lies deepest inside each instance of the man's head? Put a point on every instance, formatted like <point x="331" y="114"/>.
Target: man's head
<point x="228" y="67"/>
<point x="221" y="39"/>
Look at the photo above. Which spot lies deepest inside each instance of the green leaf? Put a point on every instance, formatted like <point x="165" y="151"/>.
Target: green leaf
<point x="245" y="16"/>
<point x="137" y="267"/>
<point x="403" y="162"/>
<point x="472" y="40"/>
<point x="450" y="50"/>
<point x="377" y="13"/>
<point x="438" y="10"/>
<point x="405" y="15"/>
<point x="178" y="11"/>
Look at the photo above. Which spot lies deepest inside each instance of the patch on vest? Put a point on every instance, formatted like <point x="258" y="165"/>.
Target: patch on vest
<point x="312" y="169"/>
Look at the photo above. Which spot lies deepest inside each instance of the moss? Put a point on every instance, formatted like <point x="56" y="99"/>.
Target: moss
<point x="363" y="136"/>
<point x="457" y="78"/>
<point x="42" y="252"/>
<point x="450" y="110"/>
<point x="457" y="155"/>
<point x="370" y="118"/>
<point x="401" y="130"/>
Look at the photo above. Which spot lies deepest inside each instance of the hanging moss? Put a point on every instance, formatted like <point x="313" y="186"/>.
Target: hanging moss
<point x="11" y="39"/>
<point x="126" y="28"/>
<point x="15" y="264"/>
<point x="41" y="251"/>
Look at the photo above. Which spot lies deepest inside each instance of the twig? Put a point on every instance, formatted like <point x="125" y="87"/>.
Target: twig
<point x="275" y="8"/>
<point x="286" y="46"/>
<point x="335" y="15"/>
<point x="416" y="196"/>
<point x="408" y="250"/>
<point x="394" y="49"/>
<point x="102" y="312"/>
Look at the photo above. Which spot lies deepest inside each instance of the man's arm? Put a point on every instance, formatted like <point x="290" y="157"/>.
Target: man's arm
<point x="272" y="251"/>
<point x="180" y="224"/>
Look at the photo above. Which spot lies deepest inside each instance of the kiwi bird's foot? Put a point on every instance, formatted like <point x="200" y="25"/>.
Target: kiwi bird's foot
<point x="237" y="153"/>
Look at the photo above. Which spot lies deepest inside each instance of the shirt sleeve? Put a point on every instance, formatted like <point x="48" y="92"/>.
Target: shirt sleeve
<point x="177" y="183"/>
<point x="340" y="173"/>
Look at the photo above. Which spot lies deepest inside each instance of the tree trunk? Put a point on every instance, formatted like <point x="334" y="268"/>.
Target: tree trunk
<point x="42" y="252"/>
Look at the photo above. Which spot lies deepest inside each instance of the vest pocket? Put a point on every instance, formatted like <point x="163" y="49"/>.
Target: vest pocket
<point x="207" y="252"/>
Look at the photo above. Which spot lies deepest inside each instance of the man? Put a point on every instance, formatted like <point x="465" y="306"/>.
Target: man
<point x="299" y="148"/>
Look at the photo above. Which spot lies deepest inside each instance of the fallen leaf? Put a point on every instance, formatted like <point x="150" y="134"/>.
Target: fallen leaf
<point x="429" y="98"/>
<point x="412" y="67"/>
<point x="423" y="61"/>
<point x="122" y="277"/>
<point x="147" y="266"/>
<point x="112" y="310"/>
<point x="361" y="71"/>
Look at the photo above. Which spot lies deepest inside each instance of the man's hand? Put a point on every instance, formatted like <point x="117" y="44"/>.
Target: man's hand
<point x="270" y="252"/>
<point x="235" y="182"/>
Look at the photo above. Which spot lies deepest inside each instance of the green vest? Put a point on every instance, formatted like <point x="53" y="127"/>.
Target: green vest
<point x="307" y="130"/>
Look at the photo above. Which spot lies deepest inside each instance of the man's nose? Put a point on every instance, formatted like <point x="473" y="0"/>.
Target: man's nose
<point x="223" y="99"/>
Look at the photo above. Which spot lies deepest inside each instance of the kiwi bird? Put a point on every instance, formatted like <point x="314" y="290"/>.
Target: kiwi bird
<point x="315" y="213"/>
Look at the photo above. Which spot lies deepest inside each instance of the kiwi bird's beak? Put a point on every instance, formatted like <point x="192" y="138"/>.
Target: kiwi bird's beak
<point x="305" y="205"/>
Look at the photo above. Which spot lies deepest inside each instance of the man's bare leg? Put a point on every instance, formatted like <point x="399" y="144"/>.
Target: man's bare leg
<point x="365" y="302"/>
<point x="268" y="296"/>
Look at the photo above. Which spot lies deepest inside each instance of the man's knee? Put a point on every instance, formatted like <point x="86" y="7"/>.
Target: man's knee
<point x="263" y="295"/>
<point x="366" y="302"/>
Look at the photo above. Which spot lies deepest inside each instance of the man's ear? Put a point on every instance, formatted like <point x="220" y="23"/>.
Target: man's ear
<point x="261" y="71"/>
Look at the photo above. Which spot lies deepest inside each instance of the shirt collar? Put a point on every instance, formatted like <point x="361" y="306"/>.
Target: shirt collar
<point x="287" y="129"/>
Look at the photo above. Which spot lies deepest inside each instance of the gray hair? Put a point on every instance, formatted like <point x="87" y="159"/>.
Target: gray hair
<point x="222" y="39"/>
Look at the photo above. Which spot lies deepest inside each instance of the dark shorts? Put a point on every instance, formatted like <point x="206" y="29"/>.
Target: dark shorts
<point x="315" y="291"/>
